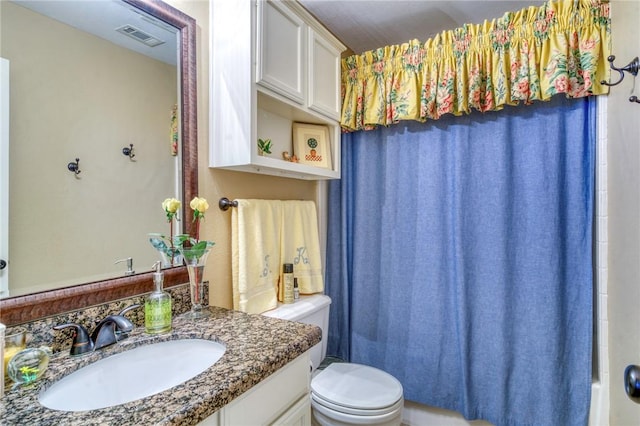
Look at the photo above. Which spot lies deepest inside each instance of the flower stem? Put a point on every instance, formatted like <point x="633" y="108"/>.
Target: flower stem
<point x="171" y="239"/>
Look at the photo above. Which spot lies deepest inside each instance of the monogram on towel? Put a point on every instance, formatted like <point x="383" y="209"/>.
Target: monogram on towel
<point x="301" y="245"/>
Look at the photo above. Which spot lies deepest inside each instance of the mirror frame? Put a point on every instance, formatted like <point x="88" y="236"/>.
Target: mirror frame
<point x="22" y="309"/>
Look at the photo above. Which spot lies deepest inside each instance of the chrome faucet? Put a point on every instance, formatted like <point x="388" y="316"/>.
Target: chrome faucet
<point x="110" y="330"/>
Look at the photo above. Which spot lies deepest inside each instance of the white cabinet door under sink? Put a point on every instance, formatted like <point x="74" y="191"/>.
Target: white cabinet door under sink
<point x="281" y="399"/>
<point x="298" y="415"/>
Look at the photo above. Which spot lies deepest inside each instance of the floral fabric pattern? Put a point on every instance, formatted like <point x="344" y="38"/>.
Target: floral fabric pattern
<point x="525" y="56"/>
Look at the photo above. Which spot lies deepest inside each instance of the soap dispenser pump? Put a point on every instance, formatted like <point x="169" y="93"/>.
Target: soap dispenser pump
<point x="157" y="306"/>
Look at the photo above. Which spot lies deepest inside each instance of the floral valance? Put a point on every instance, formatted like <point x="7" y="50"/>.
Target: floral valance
<point x="533" y="54"/>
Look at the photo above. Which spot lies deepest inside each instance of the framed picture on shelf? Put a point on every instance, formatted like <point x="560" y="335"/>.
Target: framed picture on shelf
<point x="311" y="144"/>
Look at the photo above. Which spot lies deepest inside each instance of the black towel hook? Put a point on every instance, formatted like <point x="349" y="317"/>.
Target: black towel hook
<point x="74" y="167"/>
<point x="632" y="68"/>
<point x="128" y="151"/>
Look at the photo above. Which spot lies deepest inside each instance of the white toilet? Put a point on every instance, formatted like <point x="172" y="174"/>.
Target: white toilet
<point x="343" y="393"/>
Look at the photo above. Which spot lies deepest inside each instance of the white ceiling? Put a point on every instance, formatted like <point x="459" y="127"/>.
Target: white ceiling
<point x="102" y="17"/>
<point x="369" y="24"/>
<point x="360" y="24"/>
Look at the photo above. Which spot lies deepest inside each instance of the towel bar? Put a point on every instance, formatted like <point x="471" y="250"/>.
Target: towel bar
<point x="225" y="203"/>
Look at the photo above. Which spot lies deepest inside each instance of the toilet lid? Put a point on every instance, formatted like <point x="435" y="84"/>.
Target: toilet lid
<point x="356" y="386"/>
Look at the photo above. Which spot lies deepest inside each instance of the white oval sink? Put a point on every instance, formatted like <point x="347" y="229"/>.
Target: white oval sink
<point x="134" y="374"/>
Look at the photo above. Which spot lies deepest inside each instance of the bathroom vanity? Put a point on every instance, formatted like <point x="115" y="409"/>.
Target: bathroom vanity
<point x="262" y="378"/>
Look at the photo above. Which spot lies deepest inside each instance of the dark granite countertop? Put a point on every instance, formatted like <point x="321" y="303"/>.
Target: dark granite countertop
<point x="256" y="347"/>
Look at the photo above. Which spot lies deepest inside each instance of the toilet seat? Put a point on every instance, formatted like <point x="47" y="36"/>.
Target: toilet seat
<point x="325" y="417"/>
<point x="356" y="389"/>
<point x="382" y="412"/>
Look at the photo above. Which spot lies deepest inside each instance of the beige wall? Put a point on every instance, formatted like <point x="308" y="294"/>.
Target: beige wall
<point x="76" y="95"/>
<point x="623" y="170"/>
<point x="214" y="183"/>
<point x="623" y="174"/>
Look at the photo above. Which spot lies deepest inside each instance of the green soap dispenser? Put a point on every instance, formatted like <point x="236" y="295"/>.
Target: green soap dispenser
<point x="157" y="306"/>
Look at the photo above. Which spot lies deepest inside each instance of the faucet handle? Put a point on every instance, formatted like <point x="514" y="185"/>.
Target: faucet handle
<point x="82" y="344"/>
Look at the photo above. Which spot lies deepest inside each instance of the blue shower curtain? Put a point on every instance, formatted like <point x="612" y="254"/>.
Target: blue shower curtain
<point x="459" y="259"/>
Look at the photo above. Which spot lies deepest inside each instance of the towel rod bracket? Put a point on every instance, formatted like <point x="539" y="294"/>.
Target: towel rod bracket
<point x="225" y="203"/>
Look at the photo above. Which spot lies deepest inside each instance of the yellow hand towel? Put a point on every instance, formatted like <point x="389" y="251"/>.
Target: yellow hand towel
<point x="301" y="245"/>
<point x="255" y="244"/>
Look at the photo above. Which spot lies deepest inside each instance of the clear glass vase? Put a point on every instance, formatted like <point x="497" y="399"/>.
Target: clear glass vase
<point x="195" y="258"/>
<point x="170" y="256"/>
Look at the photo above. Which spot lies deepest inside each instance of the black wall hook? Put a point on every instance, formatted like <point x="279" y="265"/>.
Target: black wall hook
<point x="632" y="68"/>
<point x="128" y="151"/>
<point x="74" y="166"/>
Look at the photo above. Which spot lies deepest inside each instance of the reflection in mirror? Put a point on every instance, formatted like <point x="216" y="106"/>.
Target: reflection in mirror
<point x="60" y="224"/>
<point x="80" y="95"/>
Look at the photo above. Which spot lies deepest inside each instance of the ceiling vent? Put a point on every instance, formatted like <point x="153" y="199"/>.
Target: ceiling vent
<point x="141" y="36"/>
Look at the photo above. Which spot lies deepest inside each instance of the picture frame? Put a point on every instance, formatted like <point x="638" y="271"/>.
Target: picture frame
<point x="311" y="144"/>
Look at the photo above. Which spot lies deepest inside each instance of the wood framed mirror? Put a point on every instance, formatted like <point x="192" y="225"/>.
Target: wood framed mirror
<point x="21" y="309"/>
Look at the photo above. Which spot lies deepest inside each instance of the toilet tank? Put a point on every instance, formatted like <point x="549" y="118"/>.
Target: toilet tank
<point x="313" y="309"/>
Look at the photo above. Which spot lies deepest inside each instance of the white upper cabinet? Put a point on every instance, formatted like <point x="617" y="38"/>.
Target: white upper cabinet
<point x="281" y="50"/>
<point x="324" y="75"/>
<point x="273" y="65"/>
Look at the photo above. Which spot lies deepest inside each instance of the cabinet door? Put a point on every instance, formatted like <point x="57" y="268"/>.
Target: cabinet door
<point x="280" y="50"/>
<point x="324" y="76"/>
<point x="276" y="397"/>
<point x="298" y="415"/>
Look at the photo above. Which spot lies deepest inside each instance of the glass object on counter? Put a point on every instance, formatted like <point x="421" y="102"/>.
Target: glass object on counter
<point x="157" y="306"/>
<point x="28" y="365"/>
<point x="195" y="259"/>
<point x="15" y="340"/>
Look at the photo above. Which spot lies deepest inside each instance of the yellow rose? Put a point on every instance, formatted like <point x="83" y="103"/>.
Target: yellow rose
<point x="199" y="205"/>
<point x="171" y="205"/>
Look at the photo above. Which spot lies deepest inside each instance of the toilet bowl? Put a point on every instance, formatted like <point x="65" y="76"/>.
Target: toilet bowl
<point x="343" y="393"/>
